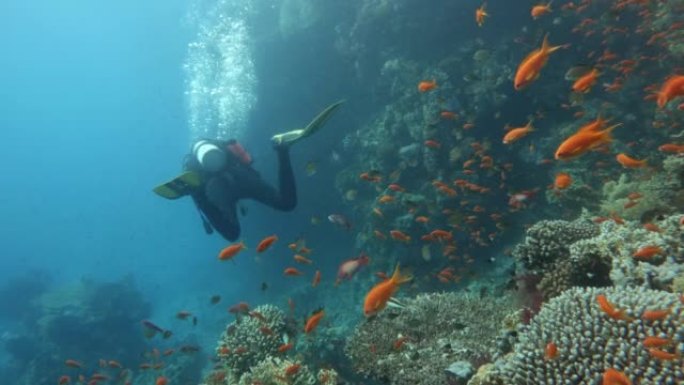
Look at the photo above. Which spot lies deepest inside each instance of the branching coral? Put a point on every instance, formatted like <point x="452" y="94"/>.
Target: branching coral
<point x="416" y="343"/>
<point x="589" y="340"/>
<point x="276" y="371"/>
<point x="251" y="339"/>
<point x="660" y="192"/>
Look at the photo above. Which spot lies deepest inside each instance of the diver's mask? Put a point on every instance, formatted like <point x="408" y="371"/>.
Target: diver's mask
<point x="209" y="156"/>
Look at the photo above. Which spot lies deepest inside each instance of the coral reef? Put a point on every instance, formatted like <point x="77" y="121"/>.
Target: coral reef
<point x="589" y="341"/>
<point x="660" y="194"/>
<point x="276" y="371"/>
<point x="416" y="343"/>
<point x="549" y="240"/>
<point x="249" y="340"/>
<point x="617" y="244"/>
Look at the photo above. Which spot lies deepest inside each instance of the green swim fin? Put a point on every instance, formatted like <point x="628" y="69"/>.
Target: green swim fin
<point x="293" y="136"/>
<point x="179" y="186"/>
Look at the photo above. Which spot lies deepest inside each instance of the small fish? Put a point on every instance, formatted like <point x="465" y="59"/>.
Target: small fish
<point x="671" y="88"/>
<point x="671" y="148"/>
<point x="550" y="351"/>
<point x="426" y="86"/>
<point x="448" y="115"/>
<point x="73" y="364"/>
<point x="264" y="286"/>
<point x="311" y="168"/>
<point x="161" y="380"/>
<point x="518" y="133"/>
<point x="480" y="15"/>
<point x="229" y="252"/>
<point x="266" y="243"/>
<point x="64" y="380"/>
<point x="656" y="342"/>
<point x="340" y="220"/>
<point x="540" y="10"/>
<point x="530" y="67"/>
<point x="285" y="347"/>
<point x="292" y="370"/>
<point x="629" y="162"/>
<point x="348" y="268"/>
<point x="183" y="315"/>
<point x="302" y="259"/>
<point x="400" y="236"/>
<point x="615" y="377"/>
<point x="562" y="181"/>
<point x="150" y="330"/>
<point x="315" y="220"/>
<point x="647" y="252"/>
<point x="239" y="308"/>
<point x="215" y="299"/>
<point x="316" y="279"/>
<point x="583" y="141"/>
<point x="291" y="271"/>
<point x="584" y="83"/>
<point x="655" y="315"/>
<point x="313" y="321"/>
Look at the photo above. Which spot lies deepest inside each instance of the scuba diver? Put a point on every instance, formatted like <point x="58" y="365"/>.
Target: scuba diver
<point x="218" y="173"/>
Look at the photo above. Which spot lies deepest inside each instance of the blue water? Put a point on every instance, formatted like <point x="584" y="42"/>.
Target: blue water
<point x="100" y="101"/>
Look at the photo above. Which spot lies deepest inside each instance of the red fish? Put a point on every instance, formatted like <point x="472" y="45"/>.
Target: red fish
<point x="266" y="243"/>
<point x="426" y="86"/>
<point x="313" y="321"/>
<point x="231" y="251"/>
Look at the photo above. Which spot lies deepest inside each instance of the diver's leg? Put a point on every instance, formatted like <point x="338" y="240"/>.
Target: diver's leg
<point x="222" y="204"/>
<point x="284" y="199"/>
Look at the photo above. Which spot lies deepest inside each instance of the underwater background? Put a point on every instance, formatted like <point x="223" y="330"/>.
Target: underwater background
<point x="530" y="264"/>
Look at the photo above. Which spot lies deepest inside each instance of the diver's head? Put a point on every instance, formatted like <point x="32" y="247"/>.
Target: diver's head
<point x="209" y="156"/>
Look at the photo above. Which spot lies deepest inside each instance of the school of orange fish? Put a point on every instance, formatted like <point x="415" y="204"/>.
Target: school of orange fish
<point x="596" y="134"/>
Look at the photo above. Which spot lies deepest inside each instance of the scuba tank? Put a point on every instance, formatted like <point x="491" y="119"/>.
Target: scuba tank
<point x="209" y="156"/>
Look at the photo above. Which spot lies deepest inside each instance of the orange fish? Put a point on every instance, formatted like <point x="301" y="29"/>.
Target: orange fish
<point x="550" y="351"/>
<point x="540" y="10"/>
<point x="656" y="342"/>
<point x="64" y="380"/>
<point x="448" y="115"/>
<point x="161" y="380"/>
<point x="610" y="309"/>
<point x="432" y="144"/>
<point x="292" y="271"/>
<point x="302" y="259"/>
<point x="647" y="252"/>
<point x="285" y="347"/>
<point x="400" y="236"/>
<point x="386" y="199"/>
<point x="377" y="297"/>
<point x="655" y="315"/>
<point x="672" y="148"/>
<point x="584" y="83"/>
<point x="629" y="162"/>
<point x="662" y="355"/>
<point x="517" y="133"/>
<point x="231" y="251"/>
<point x="583" y="141"/>
<point x="480" y="15"/>
<point x="266" y="243"/>
<point x="313" y="321"/>
<point x="426" y="86"/>
<point x="615" y="377"/>
<point x="530" y="67"/>
<point x="562" y="181"/>
<point x="672" y="88"/>
<point x="292" y="370"/>
<point x="316" y="278"/>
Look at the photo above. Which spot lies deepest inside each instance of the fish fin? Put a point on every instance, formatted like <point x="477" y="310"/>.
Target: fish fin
<point x="398" y="278"/>
<point x="606" y="137"/>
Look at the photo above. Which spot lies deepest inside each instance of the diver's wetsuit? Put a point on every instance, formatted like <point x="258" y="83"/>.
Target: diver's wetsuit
<point x="217" y="197"/>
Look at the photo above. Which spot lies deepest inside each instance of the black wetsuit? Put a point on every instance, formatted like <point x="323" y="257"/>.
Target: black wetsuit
<point x="217" y="197"/>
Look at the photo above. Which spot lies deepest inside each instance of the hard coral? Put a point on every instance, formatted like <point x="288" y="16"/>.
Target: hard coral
<point x="547" y="241"/>
<point x="276" y="371"/>
<point x="589" y="341"/>
<point x="415" y="344"/>
<point x="249" y="340"/>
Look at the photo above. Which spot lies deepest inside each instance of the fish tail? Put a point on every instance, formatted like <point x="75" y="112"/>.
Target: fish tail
<point x="606" y="136"/>
<point x="398" y="278"/>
